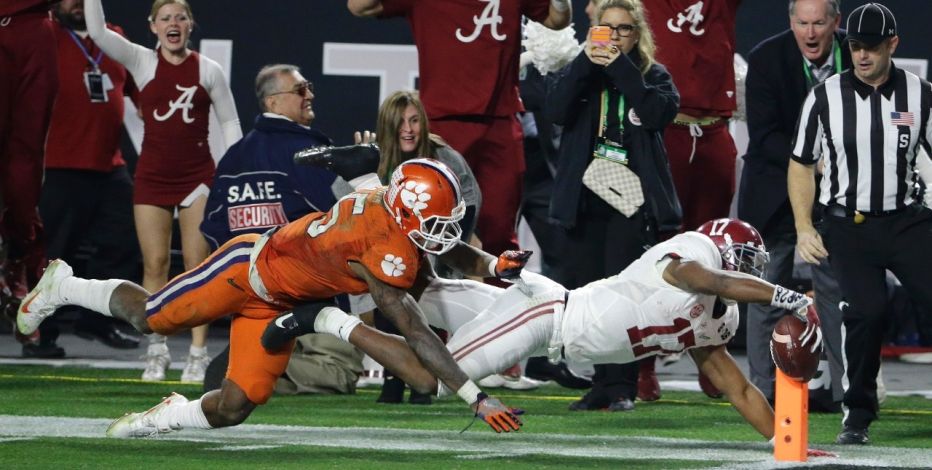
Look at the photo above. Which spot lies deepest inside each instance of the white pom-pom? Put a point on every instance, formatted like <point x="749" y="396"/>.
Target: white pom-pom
<point x="549" y="50"/>
<point x="741" y="73"/>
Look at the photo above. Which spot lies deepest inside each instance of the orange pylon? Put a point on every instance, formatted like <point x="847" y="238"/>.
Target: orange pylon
<point x="791" y="426"/>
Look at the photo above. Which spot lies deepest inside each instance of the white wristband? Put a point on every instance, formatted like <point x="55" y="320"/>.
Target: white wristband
<point x="560" y="5"/>
<point x="492" y="265"/>
<point x="469" y="392"/>
<point x="772" y="441"/>
<point x="788" y="299"/>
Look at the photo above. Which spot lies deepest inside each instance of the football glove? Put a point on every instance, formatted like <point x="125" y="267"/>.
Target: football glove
<point x="511" y="262"/>
<point x="812" y="335"/>
<point x="808" y="314"/>
<point x="500" y="417"/>
<point x="349" y="162"/>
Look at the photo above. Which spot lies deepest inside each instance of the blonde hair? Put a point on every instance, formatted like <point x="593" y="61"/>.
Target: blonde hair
<point x="158" y="4"/>
<point x="391" y="116"/>
<point x="645" y="46"/>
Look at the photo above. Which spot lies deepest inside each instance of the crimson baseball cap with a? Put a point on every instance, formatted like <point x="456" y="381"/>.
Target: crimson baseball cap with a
<point x="871" y="24"/>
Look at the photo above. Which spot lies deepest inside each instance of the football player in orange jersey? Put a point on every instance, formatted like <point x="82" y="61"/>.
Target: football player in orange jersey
<point x="370" y="241"/>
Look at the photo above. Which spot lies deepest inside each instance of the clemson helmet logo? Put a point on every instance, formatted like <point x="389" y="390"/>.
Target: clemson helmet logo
<point x="415" y="196"/>
<point x="393" y="265"/>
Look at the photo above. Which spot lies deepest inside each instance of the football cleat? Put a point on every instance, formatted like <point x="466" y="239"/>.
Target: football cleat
<point x="348" y="162"/>
<point x="145" y="424"/>
<point x="521" y="383"/>
<point x="42" y="301"/>
<point x="492" y="381"/>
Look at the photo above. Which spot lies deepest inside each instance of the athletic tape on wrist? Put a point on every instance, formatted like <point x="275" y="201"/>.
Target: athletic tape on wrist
<point x="469" y="392"/>
<point x="784" y="298"/>
<point x="492" y="266"/>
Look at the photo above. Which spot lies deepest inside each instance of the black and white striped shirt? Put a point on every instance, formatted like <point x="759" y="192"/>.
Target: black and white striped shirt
<point x="870" y="138"/>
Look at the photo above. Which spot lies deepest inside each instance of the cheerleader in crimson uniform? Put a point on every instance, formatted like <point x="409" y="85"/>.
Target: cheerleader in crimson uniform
<point x="177" y="87"/>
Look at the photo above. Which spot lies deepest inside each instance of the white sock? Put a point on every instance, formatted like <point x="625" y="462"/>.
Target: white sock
<point x="197" y="351"/>
<point x="156" y="338"/>
<point x="88" y="293"/>
<point x="336" y="322"/>
<point x="157" y="344"/>
<point x="188" y="415"/>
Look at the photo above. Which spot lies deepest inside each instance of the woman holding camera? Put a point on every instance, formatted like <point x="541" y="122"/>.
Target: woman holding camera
<point x="613" y="190"/>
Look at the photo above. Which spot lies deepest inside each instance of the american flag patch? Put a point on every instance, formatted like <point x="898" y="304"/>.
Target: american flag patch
<point x="901" y="119"/>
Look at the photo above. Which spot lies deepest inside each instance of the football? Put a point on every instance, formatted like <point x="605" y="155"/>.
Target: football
<point x="796" y="348"/>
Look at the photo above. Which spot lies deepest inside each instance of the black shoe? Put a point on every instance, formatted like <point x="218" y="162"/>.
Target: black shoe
<point x="107" y="333"/>
<point x="393" y="391"/>
<point x="852" y="435"/>
<point x="542" y="369"/>
<point x="417" y="398"/>
<point x="590" y="402"/>
<point x="289" y="325"/>
<point x="348" y="162"/>
<point x="621" y="404"/>
<point x="43" y="350"/>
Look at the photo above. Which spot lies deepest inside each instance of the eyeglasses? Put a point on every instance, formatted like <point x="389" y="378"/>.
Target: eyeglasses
<point x="623" y="30"/>
<point x="300" y="89"/>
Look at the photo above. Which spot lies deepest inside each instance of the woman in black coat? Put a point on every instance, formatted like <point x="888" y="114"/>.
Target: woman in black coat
<point x="615" y="100"/>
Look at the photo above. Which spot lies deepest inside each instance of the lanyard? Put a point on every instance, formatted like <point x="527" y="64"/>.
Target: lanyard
<point x="87" y="55"/>
<point x="603" y="117"/>
<point x="836" y="51"/>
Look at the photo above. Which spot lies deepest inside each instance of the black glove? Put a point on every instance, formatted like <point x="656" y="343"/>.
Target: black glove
<point x="348" y="162"/>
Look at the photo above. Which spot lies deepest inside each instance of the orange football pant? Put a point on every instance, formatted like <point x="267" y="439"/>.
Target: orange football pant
<point x="218" y="287"/>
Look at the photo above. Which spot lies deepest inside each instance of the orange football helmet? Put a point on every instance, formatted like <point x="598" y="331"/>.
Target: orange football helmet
<point x="425" y="200"/>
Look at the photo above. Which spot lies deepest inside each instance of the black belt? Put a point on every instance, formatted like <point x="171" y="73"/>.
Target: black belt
<point x="837" y="210"/>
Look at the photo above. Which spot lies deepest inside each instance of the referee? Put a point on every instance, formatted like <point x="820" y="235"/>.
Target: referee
<point x="868" y="123"/>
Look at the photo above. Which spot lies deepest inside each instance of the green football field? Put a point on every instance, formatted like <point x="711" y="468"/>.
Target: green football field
<point x="56" y="417"/>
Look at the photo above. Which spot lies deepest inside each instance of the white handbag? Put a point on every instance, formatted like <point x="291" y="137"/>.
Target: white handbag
<point x="616" y="184"/>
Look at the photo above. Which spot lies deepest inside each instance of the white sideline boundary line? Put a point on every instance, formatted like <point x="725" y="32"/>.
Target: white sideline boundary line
<point x="675" y="385"/>
<point x="469" y="445"/>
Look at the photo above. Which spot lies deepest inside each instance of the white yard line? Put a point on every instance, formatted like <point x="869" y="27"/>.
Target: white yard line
<point x="673" y="385"/>
<point x="469" y="445"/>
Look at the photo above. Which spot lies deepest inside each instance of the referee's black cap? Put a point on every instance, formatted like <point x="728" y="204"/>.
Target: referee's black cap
<point x="871" y="24"/>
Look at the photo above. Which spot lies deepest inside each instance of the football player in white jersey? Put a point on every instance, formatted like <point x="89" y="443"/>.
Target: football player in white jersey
<point x="680" y="295"/>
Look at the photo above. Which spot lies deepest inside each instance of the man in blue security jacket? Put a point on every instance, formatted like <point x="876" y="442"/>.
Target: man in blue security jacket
<point x="257" y="185"/>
